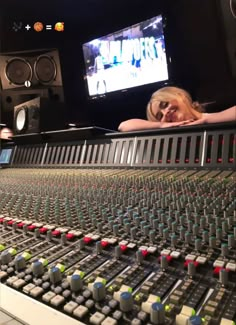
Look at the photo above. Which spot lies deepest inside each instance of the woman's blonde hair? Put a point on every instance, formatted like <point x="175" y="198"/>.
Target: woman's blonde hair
<point x="166" y="94"/>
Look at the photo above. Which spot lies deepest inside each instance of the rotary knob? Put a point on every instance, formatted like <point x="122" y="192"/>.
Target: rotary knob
<point x="5" y="257"/>
<point x="20" y="263"/>
<point x="54" y="275"/>
<point x="157" y="314"/>
<point x="99" y="291"/>
<point x="126" y="301"/>
<point x="76" y="283"/>
<point x="37" y="268"/>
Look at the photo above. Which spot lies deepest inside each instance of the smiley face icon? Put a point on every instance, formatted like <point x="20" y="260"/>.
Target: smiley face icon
<point x="59" y="27"/>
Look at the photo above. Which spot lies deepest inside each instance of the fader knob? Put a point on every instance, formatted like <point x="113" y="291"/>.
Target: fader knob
<point x="126" y="301"/>
<point x="205" y="236"/>
<point x="173" y="240"/>
<point x="117" y="252"/>
<point x="231" y="240"/>
<point x="198" y="244"/>
<point x="212" y="242"/>
<point x="139" y="257"/>
<point x="164" y="262"/>
<point x="191" y="269"/>
<point x="20" y="263"/>
<point x="187" y="238"/>
<point x="98" y="247"/>
<point x="99" y="291"/>
<point x="37" y="268"/>
<point x="224" y="250"/>
<point x="157" y="314"/>
<point x="133" y="233"/>
<point x="5" y="257"/>
<point x="223" y="277"/>
<point x="54" y="275"/>
<point x="152" y="234"/>
<point x="76" y="283"/>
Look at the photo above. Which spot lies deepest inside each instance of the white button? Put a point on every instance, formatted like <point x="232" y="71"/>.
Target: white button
<point x="231" y="266"/>
<point x="152" y="250"/>
<point x="190" y="257"/>
<point x="175" y="254"/>
<point x="165" y="252"/>
<point x="218" y="263"/>
<point x="201" y="260"/>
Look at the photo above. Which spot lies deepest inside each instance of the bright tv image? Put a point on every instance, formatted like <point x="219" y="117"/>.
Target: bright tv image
<point x="131" y="57"/>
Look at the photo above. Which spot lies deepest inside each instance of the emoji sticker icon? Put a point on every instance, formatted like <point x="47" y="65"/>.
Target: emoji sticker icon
<point x="59" y="27"/>
<point x="38" y="26"/>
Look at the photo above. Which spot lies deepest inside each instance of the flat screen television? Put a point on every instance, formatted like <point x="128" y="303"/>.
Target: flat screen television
<point x="132" y="57"/>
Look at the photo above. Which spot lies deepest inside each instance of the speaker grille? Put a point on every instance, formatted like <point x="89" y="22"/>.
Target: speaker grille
<point x="18" y="71"/>
<point x="45" y="69"/>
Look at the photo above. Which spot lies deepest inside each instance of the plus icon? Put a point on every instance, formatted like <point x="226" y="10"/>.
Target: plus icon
<point x="27" y="27"/>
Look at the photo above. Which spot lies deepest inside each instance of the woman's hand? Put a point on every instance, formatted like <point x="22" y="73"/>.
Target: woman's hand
<point x="202" y="120"/>
<point x="164" y="125"/>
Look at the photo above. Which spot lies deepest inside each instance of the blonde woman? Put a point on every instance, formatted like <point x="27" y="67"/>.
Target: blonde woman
<point x="172" y="106"/>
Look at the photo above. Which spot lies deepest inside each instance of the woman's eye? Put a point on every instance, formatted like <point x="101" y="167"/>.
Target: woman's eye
<point x="163" y="105"/>
<point x="159" y="116"/>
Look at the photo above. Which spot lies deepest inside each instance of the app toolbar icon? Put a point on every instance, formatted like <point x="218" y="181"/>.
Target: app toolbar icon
<point x="38" y="26"/>
<point x="27" y="27"/>
<point x="59" y="27"/>
<point x="17" y="26"/>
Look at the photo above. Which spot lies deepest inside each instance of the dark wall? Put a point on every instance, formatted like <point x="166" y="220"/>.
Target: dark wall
<point x="197" y="36"/>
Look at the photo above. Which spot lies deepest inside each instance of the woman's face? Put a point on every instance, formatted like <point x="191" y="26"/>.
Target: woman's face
<point x="170" y="111"/>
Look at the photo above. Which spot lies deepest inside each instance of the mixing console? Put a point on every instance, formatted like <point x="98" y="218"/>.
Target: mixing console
<point x="119" y="246"/>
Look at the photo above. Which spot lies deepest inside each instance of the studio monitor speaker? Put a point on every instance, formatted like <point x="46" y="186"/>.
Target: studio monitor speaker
<point x="38" y="68"/>
<point x="38" y="115"/>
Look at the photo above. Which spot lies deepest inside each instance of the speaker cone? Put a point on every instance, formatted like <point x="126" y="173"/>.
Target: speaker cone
<point x="18" y="71"/>
<point x="45" y="69"/>
<point x="20" y="119"/>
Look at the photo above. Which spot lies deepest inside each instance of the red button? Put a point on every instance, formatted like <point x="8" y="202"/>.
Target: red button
<point x="20" y="225"/>
<point x="70" y="236"/>
<point x="1" y="220"/>
<point x="43" y="230"/>
<point x="104" y="243"/>
<point x="144" y="252"/>
<point x="10" y="222"/>
<point x="56" y="233"/>
<point x="87" y="240"/>
<point x="31" y="227"/>
<point x="123" y="248"/>
<point x="217" y="270"/>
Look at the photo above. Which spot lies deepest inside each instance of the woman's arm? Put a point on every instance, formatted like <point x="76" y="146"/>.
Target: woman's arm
<point x="227" y="115"/>
<point x="6" y="134"/>
<point x="139" y="124"/>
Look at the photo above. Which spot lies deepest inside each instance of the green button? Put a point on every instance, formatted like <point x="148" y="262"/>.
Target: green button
<point x="61" y="267"/>
<point x="12" y="251"/>
<point x="2" y="247"/>
<point x="44" y="261"/>
<point x="27" y="255"/>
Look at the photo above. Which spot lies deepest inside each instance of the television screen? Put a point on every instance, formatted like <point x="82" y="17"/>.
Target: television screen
<point x="5" y="156"/>
<point x="134" y="56"/>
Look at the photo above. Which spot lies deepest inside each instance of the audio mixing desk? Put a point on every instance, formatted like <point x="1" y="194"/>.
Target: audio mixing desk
<point x="135" y="228"/>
